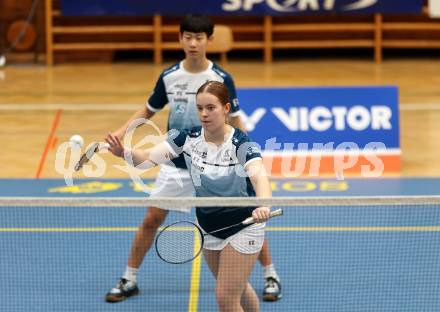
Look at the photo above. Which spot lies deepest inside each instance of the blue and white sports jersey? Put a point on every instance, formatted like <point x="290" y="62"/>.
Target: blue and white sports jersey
<point x="217" y="171"/>
<point x="177" y="88"/>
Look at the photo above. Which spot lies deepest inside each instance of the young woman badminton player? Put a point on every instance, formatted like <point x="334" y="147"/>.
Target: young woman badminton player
<point x="218" y="155"/>
<point x="176" y="87"/>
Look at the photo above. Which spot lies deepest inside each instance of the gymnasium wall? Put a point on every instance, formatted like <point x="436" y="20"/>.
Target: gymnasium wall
<point x="251" y="32"/>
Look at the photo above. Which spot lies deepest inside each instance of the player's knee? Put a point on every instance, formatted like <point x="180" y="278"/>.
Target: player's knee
<point x="225" y="299"/>
<point x="152" y="222"/>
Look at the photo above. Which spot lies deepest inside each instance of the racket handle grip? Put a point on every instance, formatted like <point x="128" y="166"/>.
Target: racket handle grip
<point x="275" y="213"/>
<point x="103" y="146"/>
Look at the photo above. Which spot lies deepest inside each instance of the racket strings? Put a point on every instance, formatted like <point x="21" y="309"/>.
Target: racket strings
<point x="179" y="242"/>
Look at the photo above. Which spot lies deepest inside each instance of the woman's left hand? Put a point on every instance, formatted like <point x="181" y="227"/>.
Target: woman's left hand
<point x="115" y="145"/>
<point x="261" y="214"/>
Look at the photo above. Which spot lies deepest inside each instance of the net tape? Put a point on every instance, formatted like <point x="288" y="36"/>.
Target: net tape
<point x="165" y="202"/>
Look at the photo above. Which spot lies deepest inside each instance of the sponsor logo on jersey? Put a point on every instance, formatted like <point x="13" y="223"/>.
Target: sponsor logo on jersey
<point x="226" y="157"/>
<point x="181" y="86"/>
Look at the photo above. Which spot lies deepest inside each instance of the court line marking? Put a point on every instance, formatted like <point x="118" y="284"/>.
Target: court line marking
<point x="131" y="106"/>
<point x="419" y="107"/>
<point x="196" y="268"/>
<point x="49" y="142"/>
<point x="433" y="228"/>
<point x="333" y="152"/>
<point x="357" y="229"/>
<point x="72" y="230"/>
<point x="70" y="107"/>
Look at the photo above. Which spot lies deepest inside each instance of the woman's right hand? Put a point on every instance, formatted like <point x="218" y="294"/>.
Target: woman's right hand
<point x="261" y="214"/>
<point x="116" y="147"/>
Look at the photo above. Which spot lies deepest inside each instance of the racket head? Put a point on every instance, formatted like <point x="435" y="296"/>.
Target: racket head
<point x="87" y="155"/>
<point x="179" y="242"/>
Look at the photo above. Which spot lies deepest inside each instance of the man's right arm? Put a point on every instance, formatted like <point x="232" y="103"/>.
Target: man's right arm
<point x="142" y="113"/>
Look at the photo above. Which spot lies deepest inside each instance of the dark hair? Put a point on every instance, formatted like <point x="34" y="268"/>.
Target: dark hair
<point x="197" y="23"/>
<point x="217" y="89"/>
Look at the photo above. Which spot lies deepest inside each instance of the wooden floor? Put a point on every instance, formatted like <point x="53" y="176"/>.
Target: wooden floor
<point x="92" y="100"/>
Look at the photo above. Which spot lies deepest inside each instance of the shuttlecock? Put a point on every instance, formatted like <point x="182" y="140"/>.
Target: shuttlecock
<point x="76" y="141"/>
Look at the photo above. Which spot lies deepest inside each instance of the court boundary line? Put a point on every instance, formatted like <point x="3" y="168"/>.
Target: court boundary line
<point x="132" y="106"/>
<point x="196" y="269"/>
<point x="49" y="143"/>
<point x="333" y="152"/>
<point x="70" y="107"/>
<point x="407" y="229"/>
<point x="419" y="107"/>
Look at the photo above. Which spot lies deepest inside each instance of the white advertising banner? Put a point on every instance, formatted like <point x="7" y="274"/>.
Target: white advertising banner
<point x="434" y="8"/>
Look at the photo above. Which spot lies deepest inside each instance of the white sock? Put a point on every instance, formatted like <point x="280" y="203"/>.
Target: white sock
<point x="269" y="271"/>
<point x="130" y="274"/>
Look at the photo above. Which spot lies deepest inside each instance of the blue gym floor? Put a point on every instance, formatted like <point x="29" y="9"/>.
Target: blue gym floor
<point x="329" y="258"/>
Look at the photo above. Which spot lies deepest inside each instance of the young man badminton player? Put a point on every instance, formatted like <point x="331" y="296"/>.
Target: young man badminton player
<point x="176" y="87"/>
<point x="228" y="253"/>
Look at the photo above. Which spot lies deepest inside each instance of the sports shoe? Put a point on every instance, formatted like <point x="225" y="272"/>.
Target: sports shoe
<point x="272" y="290"/>
<point x="122" y="291"/>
